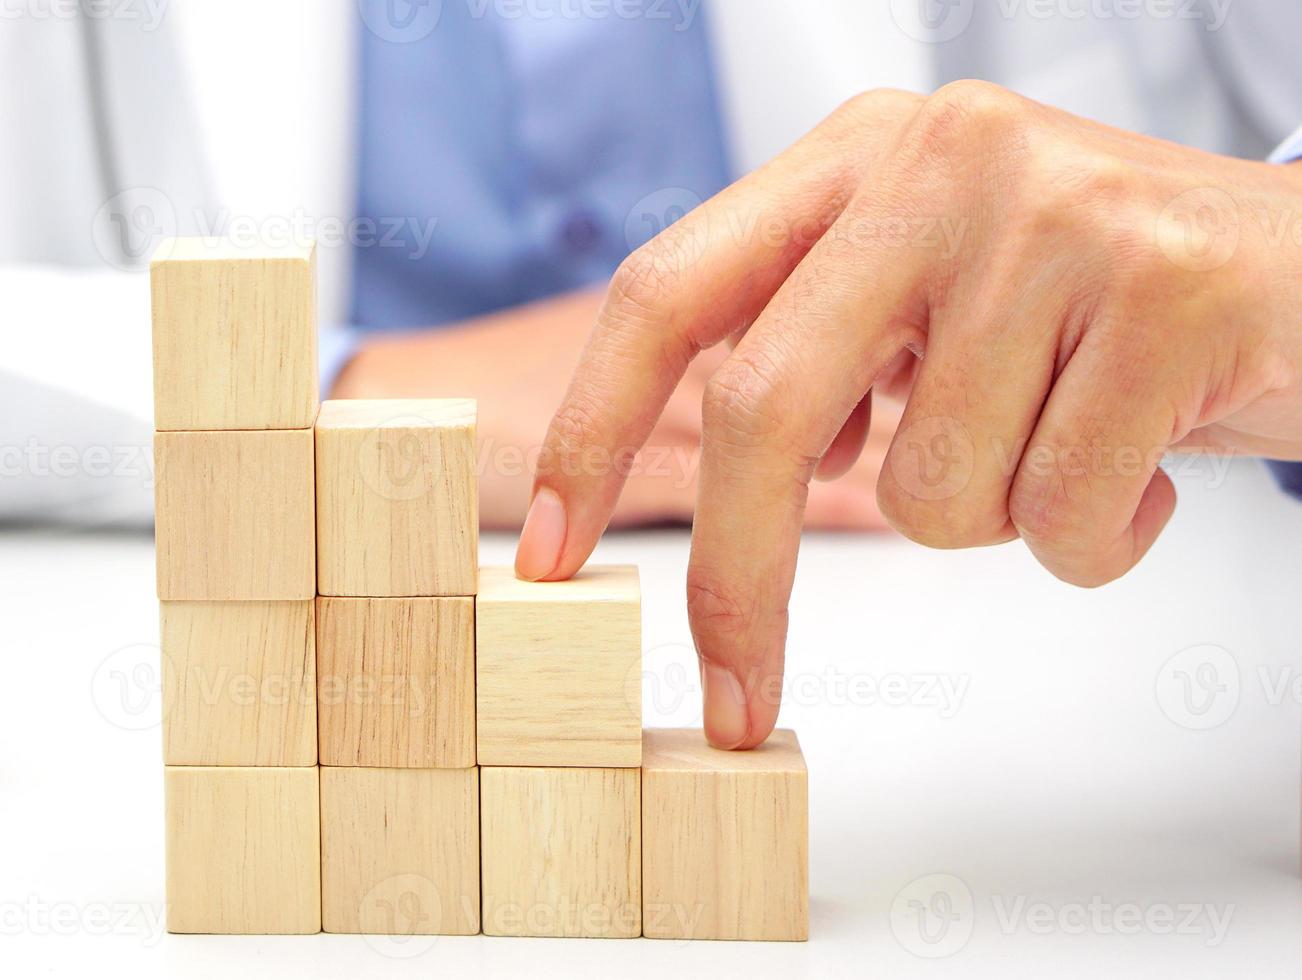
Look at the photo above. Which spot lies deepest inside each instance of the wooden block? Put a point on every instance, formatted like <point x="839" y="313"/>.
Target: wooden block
<point x="559" y="669"/>
<point x="560" y="852"/>
<point x="400" y="851"/>
<point x="397" y="498"/>
<point x="243" y="850"/>
<point x="234" y="335"/>
<point x="239" y="683"/>
<point x="396" y="680"/>
<point x="725" y="839"/>
<point x="233" y="515"/>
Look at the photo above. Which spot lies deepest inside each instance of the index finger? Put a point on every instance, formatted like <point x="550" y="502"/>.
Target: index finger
<point x="701" y="280"/>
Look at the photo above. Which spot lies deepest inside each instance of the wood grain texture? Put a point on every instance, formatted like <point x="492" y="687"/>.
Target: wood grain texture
<point x="396" y="679"/>
<point x="235" y="343"/>
<point x="243" y="850"/>
<point x="559" y="669"/>
<point x="397" y="498"/>
<point x="239" y="683"/>
<point x="233" y="515"/>
<point x="560" y="852"/>
<point x="400" y="851"/>
<point x="725" y="839"/>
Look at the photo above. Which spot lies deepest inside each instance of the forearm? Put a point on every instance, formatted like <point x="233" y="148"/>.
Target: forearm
<point x="464" y="357"/>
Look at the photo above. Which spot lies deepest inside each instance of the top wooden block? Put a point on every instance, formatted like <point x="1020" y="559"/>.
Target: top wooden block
<point x="725" y="839"/>
<point x="397" y="498"/>
<point x="686" y="750"/>
<point x="234" y="336"/>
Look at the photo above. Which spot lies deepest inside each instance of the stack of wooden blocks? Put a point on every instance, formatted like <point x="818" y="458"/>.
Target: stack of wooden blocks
<point x="364" y="732"/>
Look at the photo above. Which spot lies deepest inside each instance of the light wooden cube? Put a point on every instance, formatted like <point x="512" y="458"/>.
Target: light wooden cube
<point x="239" y="683"/>
<point x="233" y="515"/>
<point x="560" y="852"/>
<point x="559" y="669"/>
<point x="397" y="682"/>
<point x="400" y="851"/>
<point x="725" y="839"/>
<point x="243" y="850"/>
<point x="397" y="498"/>
<point x="235" y="342"/>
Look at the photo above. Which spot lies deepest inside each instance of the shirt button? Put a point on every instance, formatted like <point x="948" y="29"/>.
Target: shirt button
<point x="580" y="232"/>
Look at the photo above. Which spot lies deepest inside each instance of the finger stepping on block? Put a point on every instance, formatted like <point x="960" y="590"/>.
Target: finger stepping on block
<point x="725" y="839"/>
<point x="233" y="515"/>
<point x="397" y="498"/>
<point x="559" y="669"/>
<point x="396" y="682"/>
<point x="239" y="683"/>
<point x="243" y="850"/>
<point x="235" y="343"/>
<point x="400" y="851"/>
<point x="560" y="852"/>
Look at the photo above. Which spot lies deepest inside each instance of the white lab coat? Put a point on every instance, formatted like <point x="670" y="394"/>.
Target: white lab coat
<point x="242" y="110"/>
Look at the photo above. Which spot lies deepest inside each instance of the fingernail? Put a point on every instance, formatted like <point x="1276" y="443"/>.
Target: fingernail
<point x="727" y="720"/>
<point x="543" y="536"/>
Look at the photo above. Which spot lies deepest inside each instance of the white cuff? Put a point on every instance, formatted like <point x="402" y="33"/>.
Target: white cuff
<point x="335" y="348"/>
<point x="1289" y="150"/>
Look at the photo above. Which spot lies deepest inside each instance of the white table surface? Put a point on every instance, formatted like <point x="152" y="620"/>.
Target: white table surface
<point x="963" y="715"/>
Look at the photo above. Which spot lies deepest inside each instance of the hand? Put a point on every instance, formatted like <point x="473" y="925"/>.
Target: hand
<point x="517" y="364"/>
<point x="1085" y="299"/>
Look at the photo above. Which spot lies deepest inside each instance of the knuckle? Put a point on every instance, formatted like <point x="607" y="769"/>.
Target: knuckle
<point x="739" y="407"/>
<point x="967" y="114"/>
<point x="574" y="427"/>
<point x="1043" y="509"/>
<point x="643" y="282"/>
<point x="953" y="523"/>
<point x="712" y="606"/>
<point x="894" y="501"/>
<point x="1085" y="572"/>
<point x="1059" y="530"/>
<point x="878" y="104"/>
<point x="724" y="618"/>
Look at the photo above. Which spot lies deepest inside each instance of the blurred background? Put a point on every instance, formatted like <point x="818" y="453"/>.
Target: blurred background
<point x="472" y="172"/>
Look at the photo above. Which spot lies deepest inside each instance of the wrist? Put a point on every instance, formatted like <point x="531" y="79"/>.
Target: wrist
<point x="350" y="380"/>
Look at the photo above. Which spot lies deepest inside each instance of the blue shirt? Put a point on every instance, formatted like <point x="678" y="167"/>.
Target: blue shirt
<point x="515" y="152"/>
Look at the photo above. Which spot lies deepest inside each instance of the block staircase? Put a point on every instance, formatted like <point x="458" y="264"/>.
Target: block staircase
<point x="364" y="731"/>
